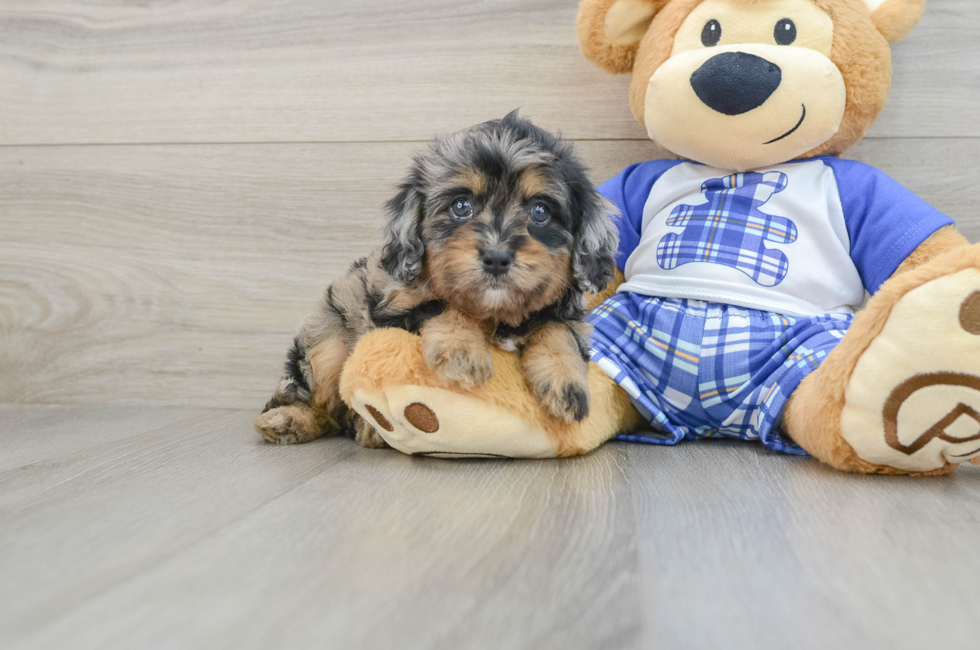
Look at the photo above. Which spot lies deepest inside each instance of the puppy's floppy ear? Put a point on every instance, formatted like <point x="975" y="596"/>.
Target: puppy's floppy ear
<point x="895" y="19"/>
<point x="610" y="31"/>
<point x="596" y="242"/>
<point x="402" y="242"/>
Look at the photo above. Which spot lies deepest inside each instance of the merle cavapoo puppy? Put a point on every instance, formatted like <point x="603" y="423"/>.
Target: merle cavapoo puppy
<point x="491" y="240"/>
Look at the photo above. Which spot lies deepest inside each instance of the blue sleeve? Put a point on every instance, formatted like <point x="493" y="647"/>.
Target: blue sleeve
<point x="629" y="190"/>
<point x="885" y="221"/>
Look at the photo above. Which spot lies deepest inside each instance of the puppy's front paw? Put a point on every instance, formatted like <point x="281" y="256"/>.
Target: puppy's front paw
<point x="568" y="401"/>
<point x="288" y="425"/>
<point x="557" y="371"/>
<point x="466" y="363"/>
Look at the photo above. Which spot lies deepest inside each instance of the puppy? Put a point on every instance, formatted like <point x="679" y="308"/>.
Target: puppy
<point x="491" y="240"/>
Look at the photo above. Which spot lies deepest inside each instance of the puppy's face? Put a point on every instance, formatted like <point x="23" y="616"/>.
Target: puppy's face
<point x="503" y="221"/>
<point x="498" y="235"/>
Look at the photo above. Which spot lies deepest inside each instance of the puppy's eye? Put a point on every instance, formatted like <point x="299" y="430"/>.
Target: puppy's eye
<point x="785" y="32"/>
<point x="461" y="209"/>
<point x="711" y="33"/>
<point x="540" y="214"/>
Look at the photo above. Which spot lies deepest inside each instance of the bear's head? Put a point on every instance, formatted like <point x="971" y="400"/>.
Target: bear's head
<point x="744" y="84"/>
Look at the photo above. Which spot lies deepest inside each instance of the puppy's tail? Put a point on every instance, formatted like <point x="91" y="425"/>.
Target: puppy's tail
<point x="296" y="379"/>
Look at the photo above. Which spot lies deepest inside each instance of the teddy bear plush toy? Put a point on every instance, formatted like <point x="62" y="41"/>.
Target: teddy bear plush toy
<point x="740" y="306"/>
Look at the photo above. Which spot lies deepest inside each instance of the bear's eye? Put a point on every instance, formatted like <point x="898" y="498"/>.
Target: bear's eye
<point x="785" y="32"/>
<point x="461" y="209"/>
<point x="711" y="33"/>
<point x="540" y="214"/>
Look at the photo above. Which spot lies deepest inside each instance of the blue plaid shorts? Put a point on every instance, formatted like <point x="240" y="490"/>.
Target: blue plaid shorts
<point x="697" y="369"/>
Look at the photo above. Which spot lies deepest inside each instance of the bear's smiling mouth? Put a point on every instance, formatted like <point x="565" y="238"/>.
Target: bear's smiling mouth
<point x="791" y="131"/>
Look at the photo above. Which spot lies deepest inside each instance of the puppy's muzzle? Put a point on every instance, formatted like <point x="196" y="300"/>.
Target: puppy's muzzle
<point x="497" y="262"/>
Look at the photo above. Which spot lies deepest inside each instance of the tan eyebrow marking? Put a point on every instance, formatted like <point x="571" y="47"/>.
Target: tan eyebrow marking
<point x="471" y="179"/>
<point x="533" y="182"/>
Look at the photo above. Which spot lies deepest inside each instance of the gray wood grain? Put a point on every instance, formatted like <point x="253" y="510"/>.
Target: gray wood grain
<point x="94" y="517"/>
<point x="747" y="548"/>
<point x="41" y="432"/>
<point x="327" y="544"/>
<point x="307" y="70"/>
<point x="174" y="275"/>
<point x="198" y="535"/>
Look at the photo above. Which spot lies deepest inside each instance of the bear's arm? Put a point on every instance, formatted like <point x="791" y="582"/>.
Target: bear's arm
<point x="890" y="228"/>
<point x="943" y="240"/>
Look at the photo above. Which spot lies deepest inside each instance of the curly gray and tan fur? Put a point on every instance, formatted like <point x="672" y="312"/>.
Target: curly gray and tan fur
<point x="492" y="239"/>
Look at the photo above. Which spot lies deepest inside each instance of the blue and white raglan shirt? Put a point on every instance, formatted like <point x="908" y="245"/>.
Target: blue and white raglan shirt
<point x="738" y="286"/>
<point x="801" y="238"/>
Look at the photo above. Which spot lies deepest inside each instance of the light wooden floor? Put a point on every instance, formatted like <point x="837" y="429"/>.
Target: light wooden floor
<point x="176" y="528"/>
<point x="178" y="183"/>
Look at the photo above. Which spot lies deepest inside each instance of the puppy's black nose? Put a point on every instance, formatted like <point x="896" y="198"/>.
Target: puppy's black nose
<point x="497" y="262"/>
<point x="736" y="82"/>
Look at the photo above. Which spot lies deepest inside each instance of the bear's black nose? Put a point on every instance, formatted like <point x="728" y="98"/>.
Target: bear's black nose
<point x="736" y="82"/>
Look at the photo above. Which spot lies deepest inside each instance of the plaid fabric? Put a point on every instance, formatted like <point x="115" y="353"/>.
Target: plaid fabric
<point x="731" y="230"/>
<point x="697" y="369"/>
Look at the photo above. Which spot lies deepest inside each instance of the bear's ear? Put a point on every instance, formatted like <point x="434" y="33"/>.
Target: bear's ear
<point x="895" y="19"/>
<point x="610" y="31"/>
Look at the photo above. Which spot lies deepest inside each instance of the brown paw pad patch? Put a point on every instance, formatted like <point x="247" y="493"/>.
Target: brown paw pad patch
<point x="421" y="417"/>
<point x="380" y="419"/>
<point x="970" y="313"/>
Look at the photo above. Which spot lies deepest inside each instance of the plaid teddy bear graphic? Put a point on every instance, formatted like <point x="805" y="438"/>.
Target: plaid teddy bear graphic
<point x="731" y="230"/>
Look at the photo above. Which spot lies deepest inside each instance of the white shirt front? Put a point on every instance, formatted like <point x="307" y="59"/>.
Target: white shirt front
<point x="773" y="240"/>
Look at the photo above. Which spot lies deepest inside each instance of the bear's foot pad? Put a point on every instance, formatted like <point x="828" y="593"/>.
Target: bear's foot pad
<point x="427" y="421"/>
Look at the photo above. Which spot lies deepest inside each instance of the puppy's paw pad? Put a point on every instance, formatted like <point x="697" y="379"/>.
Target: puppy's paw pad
<point x="569" y="402"/>
<point x="576" y="401"/>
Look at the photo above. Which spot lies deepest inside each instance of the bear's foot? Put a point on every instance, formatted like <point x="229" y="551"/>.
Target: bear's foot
<point x="901" y="392"/>
<point x="428" y="421"/>
<point x="913" y="401"/>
